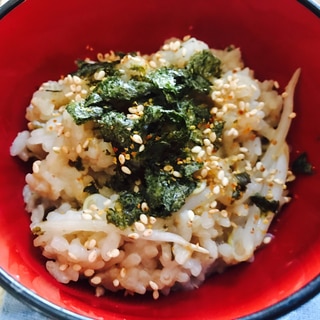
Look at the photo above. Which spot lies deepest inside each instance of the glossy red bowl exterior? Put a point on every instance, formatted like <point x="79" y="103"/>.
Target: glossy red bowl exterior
<point x="40" y="40"/>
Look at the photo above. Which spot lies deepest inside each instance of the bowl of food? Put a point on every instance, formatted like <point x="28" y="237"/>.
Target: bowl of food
<point x="160" y="160"/>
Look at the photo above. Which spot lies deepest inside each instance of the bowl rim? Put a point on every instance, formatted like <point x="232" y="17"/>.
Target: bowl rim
<point x="9" y="5"/>
<point x="312" y="5"/>
<point x="47" y="308"/>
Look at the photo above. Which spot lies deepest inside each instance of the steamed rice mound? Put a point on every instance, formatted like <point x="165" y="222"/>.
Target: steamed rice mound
<point x="211" y="230"/>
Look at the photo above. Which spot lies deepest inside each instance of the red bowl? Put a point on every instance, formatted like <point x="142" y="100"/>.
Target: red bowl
<point x="40" y="40"/>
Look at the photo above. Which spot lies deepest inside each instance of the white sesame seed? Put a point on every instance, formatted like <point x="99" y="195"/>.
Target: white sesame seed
<point x="220" y="174"/>
<point x="88" y="272"/>
<point x="78" y="148"/>
<point x="93" y="255"/>
<point x="56" y="149"/>
<point x="206" y="142"/>
<point x="141" y="148"/>
<point x="224" y="213"/>
<point x="292" y="115"/>
<point x="76" y="267"/>
<point x="125" y="170"/>
<point x="267" y="239"/>
<point x="140" y="107"/>
<point x="232" y="132"/>
<point x="76" y="79"/>
<point x="287" y="199"/>
<point x="116" y="282"/>
<point x="224" y="108"/>
<point x="63" y="267"/>
<point x="213" y="110"/>
<point x="166" y="47"/>
<point x="36" y="166"/>
<point x="153" y="285"/>
<point x="123" y="272"/>
<point x="276" y="84"/>
<point x="99" y="75"/>
<point x="259" y="166"/>
<point x="133" y="236"/>
<point x="96" y="280"/>
<point x="253" y="112"/>
<point x="78" y="97"/>
<point x="278" y="181"/>
<point x="72" y="256"/>
<point x="139" y="226"/>
<point x="152" y="220"/>
<point x="122" y="159"/>
<point x="143" y="218"/>
<point x="204" y="172"/>
<point x="177" y="174"/>
<point x="137" y="139"/>
<point x="152" y="64"/>
<point x="243" y="149"/>
<point x="90" y="244"/>
<point x="190" y="215"/>
<point x="196" y="149"/>
<point x="201" y="153"/>
<point x="209" y="150"/>
<point x="100" y="291"/>
<point x="225" y="181"/>
<point x="212" y="136"/>
<point x="213" y="204"/>
<point x="113" y="253"/>
<point x="174" y="45"/>
<point x="216" y="189"/>
<point x="133" y="110"/>
<point x="147" y="233"/>
<point x="133" y="116"/>
<point x="155" y="294"/>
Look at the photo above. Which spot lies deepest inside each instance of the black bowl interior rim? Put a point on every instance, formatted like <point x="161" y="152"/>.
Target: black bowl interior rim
<point x="8" y="6"/>
<point x="312" y="5"/>
<point x="30" y="298"/>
